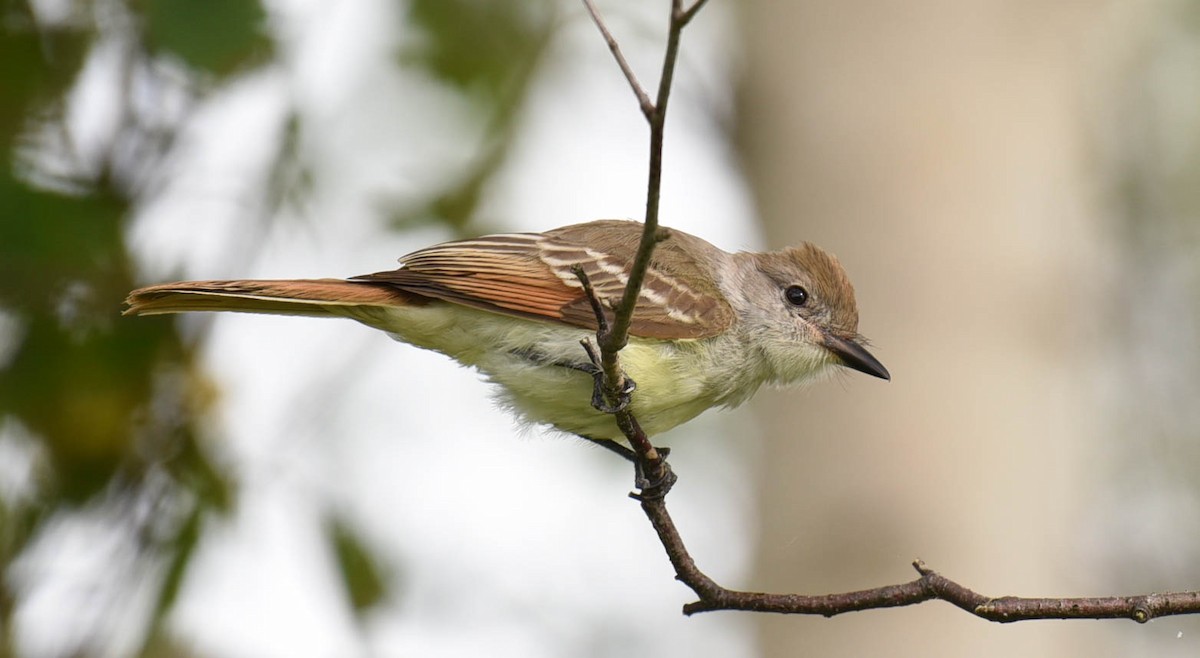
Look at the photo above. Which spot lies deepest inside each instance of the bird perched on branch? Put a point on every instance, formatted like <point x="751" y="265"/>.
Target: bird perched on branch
<point x="709" y="328"/>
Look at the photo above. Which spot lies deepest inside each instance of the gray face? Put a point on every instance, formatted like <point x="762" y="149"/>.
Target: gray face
<point x="813" y="307"/>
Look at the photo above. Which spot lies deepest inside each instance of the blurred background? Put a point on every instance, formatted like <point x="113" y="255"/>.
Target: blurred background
<point x="1013" y="187"/>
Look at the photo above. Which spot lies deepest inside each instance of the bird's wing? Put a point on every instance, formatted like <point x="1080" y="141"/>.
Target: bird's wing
<point x="533" y="275"/>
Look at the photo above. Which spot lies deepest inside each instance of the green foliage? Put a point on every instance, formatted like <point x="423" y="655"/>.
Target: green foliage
<point x="113" y="404"/>
<point x="490" y="52"/>
<point x="486" y="48"/>
<point x="110" y="402"/>
<point x="362" y="576"/>
<point x="36" y="67"/>
<point x="217" y="36"/>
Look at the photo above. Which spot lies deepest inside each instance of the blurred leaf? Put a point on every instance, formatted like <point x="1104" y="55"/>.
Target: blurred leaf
<point x="69" y="380"/>
<point x="110" y="399"/>
<point x="161" y="645"/>
<point x="36" y="65"/>
<point x="362" y="577"/>
<point x="218" y="36"/>
<point x="477" y="45"/>
<point x="94" y="390"/>
<point x="110" y="402"/>
<point x="49" y="240"/>
<point x="18" y="522"/>
<point x="291" y="179"/>
<point x="490" y="52"/>
<point x="186" y="541"/>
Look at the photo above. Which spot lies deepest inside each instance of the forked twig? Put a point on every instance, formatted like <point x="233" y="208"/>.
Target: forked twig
<point x="643" y="100"/>
<point x="929" y="586"/>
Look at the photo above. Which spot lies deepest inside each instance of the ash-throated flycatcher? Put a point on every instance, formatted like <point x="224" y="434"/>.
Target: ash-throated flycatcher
<point x="709" y="328"/>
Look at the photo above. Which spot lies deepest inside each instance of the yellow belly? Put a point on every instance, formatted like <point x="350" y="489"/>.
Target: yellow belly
<point x="674" y="380"/>
<point x="667" y="394"/>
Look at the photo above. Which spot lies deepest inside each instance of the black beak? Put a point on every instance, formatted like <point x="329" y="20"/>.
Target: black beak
<point x="853" y="356"/>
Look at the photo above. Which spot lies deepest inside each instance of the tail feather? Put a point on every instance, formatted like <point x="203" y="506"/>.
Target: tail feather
<point x="311" y="297"/>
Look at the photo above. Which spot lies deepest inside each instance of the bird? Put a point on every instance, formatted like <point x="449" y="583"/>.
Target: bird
<point x="709" y="328"/>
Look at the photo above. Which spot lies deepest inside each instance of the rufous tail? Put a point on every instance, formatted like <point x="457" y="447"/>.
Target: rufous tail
<point x="311" y="297"/>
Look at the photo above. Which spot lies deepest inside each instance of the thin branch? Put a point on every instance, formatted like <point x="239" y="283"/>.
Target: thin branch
<point x="643" y="100"/>
<point x="612" y="338"/>
<point x="650" y="232"/>
<point x="692" y="11"/>
<point x="931" y="585"/>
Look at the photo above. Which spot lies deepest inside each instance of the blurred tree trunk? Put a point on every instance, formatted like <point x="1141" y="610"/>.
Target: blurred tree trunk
<point x="938" y="149"/>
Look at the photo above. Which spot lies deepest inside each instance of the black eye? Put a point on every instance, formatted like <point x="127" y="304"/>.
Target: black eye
<point x="795" y="295"/>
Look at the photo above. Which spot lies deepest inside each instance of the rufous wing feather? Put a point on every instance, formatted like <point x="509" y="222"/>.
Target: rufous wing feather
<point x="534" y="275"/>
<point x="523" y="274"/>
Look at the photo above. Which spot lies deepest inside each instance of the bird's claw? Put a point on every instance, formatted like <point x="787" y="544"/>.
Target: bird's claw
<point x="654" y="485"/>
<point x="600" y="400"/>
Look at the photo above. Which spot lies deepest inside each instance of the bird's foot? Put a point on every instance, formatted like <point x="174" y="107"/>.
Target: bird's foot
<point x="600" y="396"/>
<point x="653" y="478"/>
<point x="600" y="399"/>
